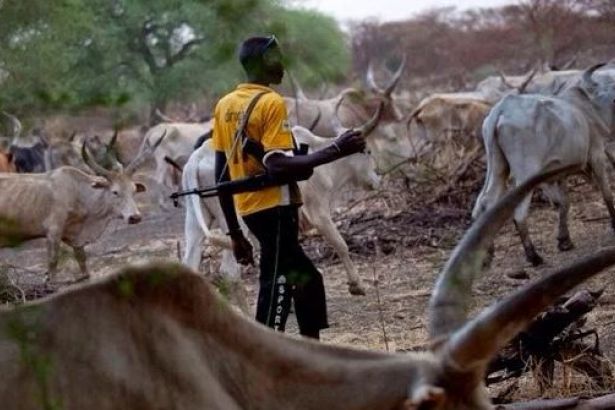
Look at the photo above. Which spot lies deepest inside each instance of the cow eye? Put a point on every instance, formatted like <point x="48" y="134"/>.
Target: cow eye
<point x="116" y="193"/>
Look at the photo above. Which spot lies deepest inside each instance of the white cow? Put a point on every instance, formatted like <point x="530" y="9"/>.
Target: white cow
<point x="388" y="145"/>
<point x="177" y="145"/>
<point x="158" y="337"/>
<point x="319" y="194"/>
<point x="67" y="205"/>
<point x="526" y="134"/>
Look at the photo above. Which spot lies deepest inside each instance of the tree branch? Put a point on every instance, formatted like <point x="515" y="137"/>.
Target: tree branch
<point x="181" y="54"/>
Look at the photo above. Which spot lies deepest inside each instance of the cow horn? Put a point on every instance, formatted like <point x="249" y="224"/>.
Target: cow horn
<point x="90" y="162"/>
<point x="337" y="123"/>
<point x="15" y="124"/>
<point x="312" y="126"/>
<point x="112" y="142"/>
<point x="447" y="308"/>
<point x="568" y="65"/>
<point x="143" y="154"/>
<point x="589" y="82"/>
<point x="370" y="80"/>
<point x="527" y="81"/>
<point x="396" y="77"/>
<point x="478" y="341"/>
<point x="163" y="117"/>
<point x="369" y="126"/>
<point x="504" y="80"/>
<point x="451" y="297"/>
<point x="297" y="90"/>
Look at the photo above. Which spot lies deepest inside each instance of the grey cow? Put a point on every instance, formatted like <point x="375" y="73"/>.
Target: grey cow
<point x="526" y="134"/>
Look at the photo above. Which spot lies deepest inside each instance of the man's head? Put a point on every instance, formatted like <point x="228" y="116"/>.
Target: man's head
<point x="261" y="59"/>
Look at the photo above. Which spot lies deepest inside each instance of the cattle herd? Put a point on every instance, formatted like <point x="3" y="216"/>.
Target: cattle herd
<point x="159" y="337"/>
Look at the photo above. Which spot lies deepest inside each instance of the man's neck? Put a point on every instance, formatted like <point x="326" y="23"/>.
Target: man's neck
<point x="259" y="81"/>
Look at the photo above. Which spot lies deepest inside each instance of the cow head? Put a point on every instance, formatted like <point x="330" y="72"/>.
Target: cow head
<point x="360" y="168"/>
<point x="493" y="88"/>
<point x="118" y="184"/>
<point x="379" y="95"/>
<point x="601" y="91"/>
<point x="387" y="142"/>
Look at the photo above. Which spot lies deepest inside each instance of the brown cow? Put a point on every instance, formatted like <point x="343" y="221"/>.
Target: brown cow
<point x="440" y="117"/>
<point x="67" y="205"/>
<point x="158" y="337"/>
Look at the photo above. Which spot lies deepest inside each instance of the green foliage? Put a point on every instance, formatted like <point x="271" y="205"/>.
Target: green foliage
<point x="316" y="47"/>
<point x="74" y="53"/>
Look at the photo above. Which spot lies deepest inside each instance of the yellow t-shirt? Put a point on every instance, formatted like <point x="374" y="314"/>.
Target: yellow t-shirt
<point x="268" y="124"/>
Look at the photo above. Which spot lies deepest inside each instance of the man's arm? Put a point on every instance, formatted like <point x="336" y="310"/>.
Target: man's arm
<point x="241" y="247"/>
<point x="346" y="144"/>
<point x="226" y="199"/>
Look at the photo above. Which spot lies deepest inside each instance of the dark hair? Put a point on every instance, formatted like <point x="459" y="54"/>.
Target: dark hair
<point x="252" y="49"/>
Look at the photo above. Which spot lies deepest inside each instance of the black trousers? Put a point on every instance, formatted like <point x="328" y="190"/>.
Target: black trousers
<point x="286" y="272"/>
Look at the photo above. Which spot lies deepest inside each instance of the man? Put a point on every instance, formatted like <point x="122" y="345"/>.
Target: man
<point x="271" y="213"/>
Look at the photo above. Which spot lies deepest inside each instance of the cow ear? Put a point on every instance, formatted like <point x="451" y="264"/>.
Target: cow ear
<point x="140" y="187"/>
<point x="99" y="183"/>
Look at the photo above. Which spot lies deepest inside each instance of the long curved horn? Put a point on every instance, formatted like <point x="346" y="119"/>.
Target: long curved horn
<point x="589" y="82"/>
<point x="15" y="124"/>
<point x="143" y="154"/>
<point x="163" y="117"/>
<point x="371" y="81"/>
<point x="396" y="77"/>
<point x="451" y="297"/>
<point x="297" y="90"/>
<point x="413" y="115"/>
<point x="372" y="123"/>
<point x="90" y="162"/>
<point x="504" y="80"/>
<point x="337" y="123"/>
<point x="478" y="341"/>
<point x="112" y="142"/>
<point x="527" y="81"/>
<point x="568" y="65"/>
<point x="316" y="120"/>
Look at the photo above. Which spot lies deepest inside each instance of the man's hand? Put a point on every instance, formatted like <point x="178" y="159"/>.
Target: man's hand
<point x="350" y="142"/>
<point x="242" y="248"/>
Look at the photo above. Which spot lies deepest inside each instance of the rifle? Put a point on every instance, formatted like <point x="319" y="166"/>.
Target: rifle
<point x="254" y="183"/>
<point x="249" y="184"/>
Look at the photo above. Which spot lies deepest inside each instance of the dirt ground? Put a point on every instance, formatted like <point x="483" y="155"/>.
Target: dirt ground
<point x="399" y="244"/>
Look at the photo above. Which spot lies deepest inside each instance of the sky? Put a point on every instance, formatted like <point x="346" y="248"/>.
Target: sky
<point x="389" y="10"/>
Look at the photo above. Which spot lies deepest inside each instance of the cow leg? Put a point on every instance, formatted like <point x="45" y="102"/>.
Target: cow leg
<point x="323" y="223"/>
<point x="230" y="270"/>
<point x="79" y="252"/>
<point x="600" y="177"/>
<point x="520" y="219"/>
<point x="493" y="189"/>
<point x="194" y="238"/>
<point x="53" y="250"/>
<point x="557" y="193"/>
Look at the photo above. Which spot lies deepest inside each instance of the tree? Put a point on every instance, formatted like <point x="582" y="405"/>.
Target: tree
<point x="74" y="53"/>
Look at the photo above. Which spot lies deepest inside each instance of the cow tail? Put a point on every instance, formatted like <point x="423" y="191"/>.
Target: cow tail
<point x="494" y="156"/>
<point x="190" y="181"/>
